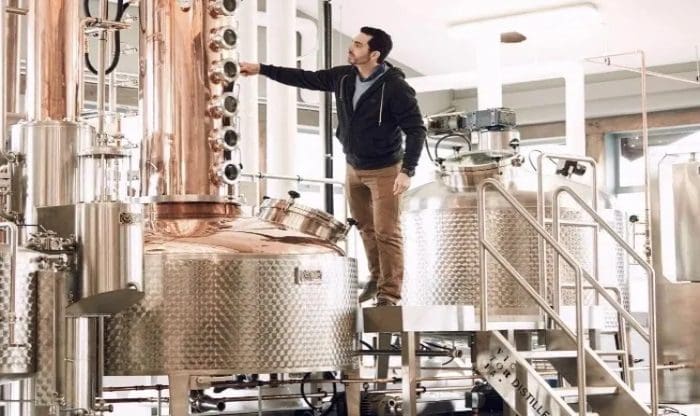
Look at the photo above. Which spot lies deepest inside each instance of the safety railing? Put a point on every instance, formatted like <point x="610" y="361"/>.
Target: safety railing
<point x="650" y="335"/>
<point x="486" y="246"/>
<point x="541" y="212"/>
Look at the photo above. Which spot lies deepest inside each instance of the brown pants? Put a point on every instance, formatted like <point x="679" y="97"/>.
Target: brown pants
<point x="376" y="209"/>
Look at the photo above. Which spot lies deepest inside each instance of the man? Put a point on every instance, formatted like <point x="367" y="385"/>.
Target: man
<point x="374" y="105"/>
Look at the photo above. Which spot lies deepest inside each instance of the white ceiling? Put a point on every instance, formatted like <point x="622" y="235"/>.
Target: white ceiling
<point x="666" y="30"/>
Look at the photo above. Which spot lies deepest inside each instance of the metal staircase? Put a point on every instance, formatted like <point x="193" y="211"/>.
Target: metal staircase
<point x="595" y="387"/>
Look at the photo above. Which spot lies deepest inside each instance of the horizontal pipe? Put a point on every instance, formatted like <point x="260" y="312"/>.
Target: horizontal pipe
<point x="418" y="353"/>
<point x="261" y="175"/>
<point x="398" y="379"/>
<point x="320" y="395"/>
<point x="663" y="367"/>
<point x="16" y="10"/>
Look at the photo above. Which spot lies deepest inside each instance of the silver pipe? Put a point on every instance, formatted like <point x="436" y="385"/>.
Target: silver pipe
<point x="670" y="367"/>
<point x="607" y="61"/>
<point x="652" y="277"/>
<point x="261" y="175"/>
<point x="483" y="268"/>
<point x="640" y="71"/>
<point x="458" y="353"/>
<point x="16" y="10"/>
<point x="3" y="78"/>
<point x="101" y="65"/>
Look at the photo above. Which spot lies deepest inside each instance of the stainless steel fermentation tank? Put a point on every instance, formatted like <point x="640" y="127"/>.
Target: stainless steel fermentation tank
<point x="675" y="225"/>
<point x="440" y="226"/>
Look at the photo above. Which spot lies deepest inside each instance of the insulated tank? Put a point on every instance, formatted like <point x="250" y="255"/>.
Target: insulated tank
<point x="440" y="225"/>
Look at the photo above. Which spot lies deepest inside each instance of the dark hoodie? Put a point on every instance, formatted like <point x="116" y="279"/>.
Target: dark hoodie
<point x="371" y="132"/>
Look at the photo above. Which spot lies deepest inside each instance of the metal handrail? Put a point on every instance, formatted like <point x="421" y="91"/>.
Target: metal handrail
<point x="485" y="245"/>
<point x="541" y="204"/>
<point x="621" y="328"/>
<point x="650" y="337"/>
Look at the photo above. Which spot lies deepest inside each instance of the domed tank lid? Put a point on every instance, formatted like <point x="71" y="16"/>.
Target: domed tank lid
<point x="477" y="161"/>
<point x="295" y="216"/>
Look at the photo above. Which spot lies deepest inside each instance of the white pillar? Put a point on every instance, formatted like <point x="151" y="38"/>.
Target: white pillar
<point x="575" y="110"/>
<point x="248" y="48"/>
<point x="488" y="64"/>
<point x="281" y="99"/>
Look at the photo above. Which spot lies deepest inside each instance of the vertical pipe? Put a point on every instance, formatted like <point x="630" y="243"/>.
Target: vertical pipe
<point x="541" y="246"/>
<point x="483" y="267"/>
<point x="409" y="372"/>
<point x="653" y="357"/>
<point x="281" y="103"/>
<point x="52" y="59"/>
<point x="101" y="65"/>
<point x="580" y="344"/>
<point x="326" y="121"/>
<point x="13" y="76"/>
<point x="3" y="75"/>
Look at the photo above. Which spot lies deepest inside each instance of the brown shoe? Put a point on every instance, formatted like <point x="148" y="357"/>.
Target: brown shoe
<point x="369" y="292"/>
<point x="385" y="301"/>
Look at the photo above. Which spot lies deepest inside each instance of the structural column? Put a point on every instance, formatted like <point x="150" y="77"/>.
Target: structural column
<point x="281" y="99"/>
<point x="488" y="64"/>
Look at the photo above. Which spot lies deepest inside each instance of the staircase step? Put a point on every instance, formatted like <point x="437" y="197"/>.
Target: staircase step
<point x="549" y="354"/>
<point x="570" y="394"/>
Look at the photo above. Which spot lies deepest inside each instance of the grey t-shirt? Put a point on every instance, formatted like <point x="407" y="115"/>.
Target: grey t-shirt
<point x="361" y="86"/>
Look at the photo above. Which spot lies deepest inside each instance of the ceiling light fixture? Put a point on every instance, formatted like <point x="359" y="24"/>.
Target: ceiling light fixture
<point x="550" y="19"/>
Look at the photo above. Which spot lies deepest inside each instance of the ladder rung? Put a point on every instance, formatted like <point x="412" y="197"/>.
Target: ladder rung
<point x="570" y="394"/>
<point x="548" y="354"/>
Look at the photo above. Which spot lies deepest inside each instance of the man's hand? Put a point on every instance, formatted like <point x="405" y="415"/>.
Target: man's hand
<point x="247" y="69"/>
<point x="402" y="183"/>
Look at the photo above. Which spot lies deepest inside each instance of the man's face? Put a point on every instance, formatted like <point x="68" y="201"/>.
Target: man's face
<point x="358" y="52"/>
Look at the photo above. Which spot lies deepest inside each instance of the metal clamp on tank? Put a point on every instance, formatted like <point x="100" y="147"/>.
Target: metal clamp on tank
<point x="292" y="215"/>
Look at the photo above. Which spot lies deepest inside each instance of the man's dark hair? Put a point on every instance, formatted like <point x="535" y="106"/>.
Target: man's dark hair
<point x="380" y="42"/>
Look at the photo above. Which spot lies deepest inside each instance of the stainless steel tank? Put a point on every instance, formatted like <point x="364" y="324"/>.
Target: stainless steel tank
<point x="18" y="314"/>
<point x="440" y="225"/>
<point x="44" y="172"/>
<point x="237" y="296"/>
<point x="675" y="189"/>
<point x="110" y="244"/>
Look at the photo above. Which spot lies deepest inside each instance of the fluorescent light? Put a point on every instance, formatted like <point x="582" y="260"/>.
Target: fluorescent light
<point x="551" y="19"/>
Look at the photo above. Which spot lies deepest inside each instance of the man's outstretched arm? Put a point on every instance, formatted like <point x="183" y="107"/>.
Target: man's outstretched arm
<point x="323" y="80"/>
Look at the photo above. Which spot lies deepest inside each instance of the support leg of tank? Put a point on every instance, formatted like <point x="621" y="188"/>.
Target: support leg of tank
<point x="410" y="366"/>
<point x="179" y="394"/>
<point x="352" y="392"/>
<point x="383" y="344"/>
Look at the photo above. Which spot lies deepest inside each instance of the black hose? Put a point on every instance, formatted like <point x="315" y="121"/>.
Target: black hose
<point x="442" y="347"/>
<point x="303" y="395"/>
<point x="427" y="150"/>
<point x="466" y="139"/>
<point x="334" y="397"/>
<point x="367" y="344"/>
<point x="116" y="55"/>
